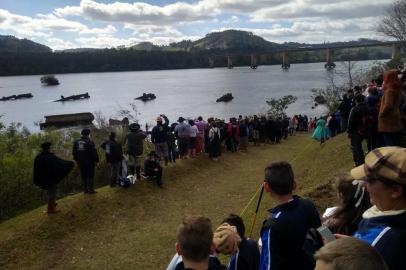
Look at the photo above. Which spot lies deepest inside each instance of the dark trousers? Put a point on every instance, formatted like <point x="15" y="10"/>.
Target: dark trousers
<point x="87" y="174"/>
<point x="391" y="138"/>
<point x="372" y="141"/>
<point x="114" y="172"/>
<point x="357" y="151"/>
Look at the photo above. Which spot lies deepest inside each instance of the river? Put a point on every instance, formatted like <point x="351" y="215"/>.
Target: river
<point x="187" y="93"/>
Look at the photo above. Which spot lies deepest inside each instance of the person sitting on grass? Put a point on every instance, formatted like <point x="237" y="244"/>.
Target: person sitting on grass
<point x="152" y="168"/>
<point x="194" y="245"/>
<point x="349" y="254"/>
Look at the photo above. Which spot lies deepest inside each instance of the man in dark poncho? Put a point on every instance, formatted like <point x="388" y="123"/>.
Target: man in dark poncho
<point x="85" y="154"/>
<point x="49" y="170"/>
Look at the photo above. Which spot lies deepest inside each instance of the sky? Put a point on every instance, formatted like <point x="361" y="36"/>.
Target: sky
<point x="64" y="24"/>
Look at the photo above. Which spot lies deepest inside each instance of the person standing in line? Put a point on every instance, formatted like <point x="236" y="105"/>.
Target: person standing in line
<point x="389" y="122"/>
<point x="159" y="137"/>
<point x="135" y="148"/>
<point x="49" y="170"/>
<point x="86" y="156"/>
<point x="355" y="123"/>
<point x="201" y="126"/>
<point x="243" y="136"/>
<point x="214" y="141"/>
<point x="193" y="137"/>
<point x="182" y="130"/>
<point x="114" y="156"/>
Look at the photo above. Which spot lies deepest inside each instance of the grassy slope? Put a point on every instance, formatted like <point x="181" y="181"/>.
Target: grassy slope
<point x="118" y="229"/>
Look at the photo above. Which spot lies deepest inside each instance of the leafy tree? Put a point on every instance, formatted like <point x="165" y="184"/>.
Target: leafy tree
<point x="279" y="106"/>
<point x="394" y="23"/>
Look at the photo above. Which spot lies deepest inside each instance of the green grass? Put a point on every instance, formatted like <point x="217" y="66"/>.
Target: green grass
<point x="136" y="227"/>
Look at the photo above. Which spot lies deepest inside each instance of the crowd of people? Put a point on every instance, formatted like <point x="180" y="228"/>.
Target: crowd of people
<point x="374" y="113"/>
<point x="367" y="230"/>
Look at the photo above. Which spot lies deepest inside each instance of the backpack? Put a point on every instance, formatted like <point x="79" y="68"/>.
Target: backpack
<point x="366" y="125"/>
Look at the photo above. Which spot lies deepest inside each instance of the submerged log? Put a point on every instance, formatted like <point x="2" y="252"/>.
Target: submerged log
<point x="73" y="97"/>
<point x="225" y="98"/>
<point x="146" y="97"/>
<point x="15" y="97"/>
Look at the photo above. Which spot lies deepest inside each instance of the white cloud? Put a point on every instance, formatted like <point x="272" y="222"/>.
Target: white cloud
<point x="141" y="13"/>
<point x="332" y="10"/>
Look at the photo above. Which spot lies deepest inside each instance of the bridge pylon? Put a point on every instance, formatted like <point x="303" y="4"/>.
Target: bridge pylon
<point x="285" y="61"/>
<point x="229" y="62"/>
<point x="211" y="62"/>
<point x="254" y="62"/>
<point x="330" y="60"/>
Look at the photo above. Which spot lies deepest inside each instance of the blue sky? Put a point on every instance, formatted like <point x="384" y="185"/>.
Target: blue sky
<point x="63" y="24"/>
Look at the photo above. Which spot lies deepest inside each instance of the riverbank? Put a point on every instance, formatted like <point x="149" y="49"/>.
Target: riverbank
<point x="136" y="227"/>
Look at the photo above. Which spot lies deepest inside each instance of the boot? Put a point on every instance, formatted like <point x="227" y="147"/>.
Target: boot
<point x="52" y="207"/>
<point x="138" y="172"/>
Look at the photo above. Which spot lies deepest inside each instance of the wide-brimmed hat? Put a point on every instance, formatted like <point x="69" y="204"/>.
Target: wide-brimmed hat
<point x="85" y="132"/>
<point x="385" y="163"/>
<point x="226" y="239"/>
<point x="181" y="119"/>
<point x="134" y="127"/>
<point x="46" y="145"/>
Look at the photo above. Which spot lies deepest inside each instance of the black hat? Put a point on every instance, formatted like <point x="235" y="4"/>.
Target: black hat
<point x="46" y="145"/>
<point x="181" y="119"/>
<point x="134" y="127"/>
<point x="85" y="132"/>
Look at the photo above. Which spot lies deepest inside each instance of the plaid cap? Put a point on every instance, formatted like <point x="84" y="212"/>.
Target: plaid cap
<point x="386" y="163"/>
<point x="226" y="239"/>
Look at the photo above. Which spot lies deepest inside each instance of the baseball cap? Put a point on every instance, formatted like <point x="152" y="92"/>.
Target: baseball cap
<point x="386" y="163"/>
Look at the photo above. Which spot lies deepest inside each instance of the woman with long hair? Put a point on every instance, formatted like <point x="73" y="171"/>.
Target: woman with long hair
<point x="389" y="122"/>
<point x="354" y="201"/>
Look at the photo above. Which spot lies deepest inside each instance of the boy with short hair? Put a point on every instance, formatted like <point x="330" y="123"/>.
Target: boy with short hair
<point x="195" y="244"/>
<point x="283" y="234"/>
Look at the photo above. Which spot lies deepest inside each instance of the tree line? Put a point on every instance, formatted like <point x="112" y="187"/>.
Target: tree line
<point x="109" y="60"/>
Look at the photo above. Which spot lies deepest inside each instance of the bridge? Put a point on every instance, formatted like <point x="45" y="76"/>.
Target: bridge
<point x="396" y="47"/>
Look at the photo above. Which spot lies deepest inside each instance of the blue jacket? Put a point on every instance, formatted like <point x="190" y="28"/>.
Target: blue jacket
<point x="388" y="235"/>
<point x="247" y="257"/>
<point x="284" y="233"/>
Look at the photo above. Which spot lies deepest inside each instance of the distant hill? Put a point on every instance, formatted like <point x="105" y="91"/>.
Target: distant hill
<point x="79" y="50"/>
<point x="146" y="46"/>
<point x="11" y="44"/>
<point x="229" y="40"/>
